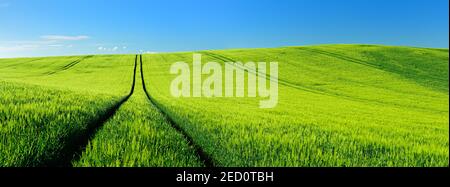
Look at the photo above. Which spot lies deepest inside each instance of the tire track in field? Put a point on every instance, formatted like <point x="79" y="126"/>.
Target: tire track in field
<point x="48" y="73"/>
<point x="312" y="90"/>
<point x="280" y="81"/>
<point x="69" y="65"/>
<point x="204" y="157"/>
<point x="77" y="143"/>
<point x="362" y="62"/>
<point x="20" y="63"/>
<point x="342" y="57"/>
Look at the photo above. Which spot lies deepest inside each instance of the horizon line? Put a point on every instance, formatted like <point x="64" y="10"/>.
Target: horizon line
<point x="243" y="48"/>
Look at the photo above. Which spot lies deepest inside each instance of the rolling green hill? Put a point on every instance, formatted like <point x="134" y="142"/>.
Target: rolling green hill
<point x="338" y="105"/>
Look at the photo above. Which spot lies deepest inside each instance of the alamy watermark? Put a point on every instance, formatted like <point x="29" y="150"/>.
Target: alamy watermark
<point x="260" y="83"/>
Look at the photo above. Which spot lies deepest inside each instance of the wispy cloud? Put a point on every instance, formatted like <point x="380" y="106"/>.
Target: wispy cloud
<point x="147" y="52"/>
<point x="15" y="48"/>
<point x="45" y="42"/>
<point x="28" y="42"/>
<point x="56" y="45"/>
<point x="64" y="38"/>
<point x="113" y="49"/>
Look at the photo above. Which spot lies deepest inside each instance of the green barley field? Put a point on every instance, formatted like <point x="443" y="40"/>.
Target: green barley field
<point x="338" y="105"/>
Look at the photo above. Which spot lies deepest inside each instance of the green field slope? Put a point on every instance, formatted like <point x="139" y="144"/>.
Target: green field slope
<point x="41" y="126"/>
<point x="104" y="74"/>
<point x="64" y="111"/>
<point x="339" y="105"/>
<point x="138" y="135"/>
<point x="49" y="106"/>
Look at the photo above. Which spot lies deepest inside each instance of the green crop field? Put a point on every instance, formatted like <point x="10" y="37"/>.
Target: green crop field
<point x="338" y="105"/>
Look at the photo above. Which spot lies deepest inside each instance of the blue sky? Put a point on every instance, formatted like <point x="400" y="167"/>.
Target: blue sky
<point x="72" y="27"/>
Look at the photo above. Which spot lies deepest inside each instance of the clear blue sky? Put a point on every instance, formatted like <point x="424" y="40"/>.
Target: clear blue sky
<point x="70" y="27"/>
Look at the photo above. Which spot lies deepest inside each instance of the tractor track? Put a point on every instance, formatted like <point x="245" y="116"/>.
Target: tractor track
<point x="48" y="73"/>
<point x="280" y="81"/>
<point x="77" y="144"/>
<point x="361" y="62"/>
<point x="69" y="65"/>
<point x="19" y="64"/>
<point x="202" y="155"/>
<point x="312" y="90"/>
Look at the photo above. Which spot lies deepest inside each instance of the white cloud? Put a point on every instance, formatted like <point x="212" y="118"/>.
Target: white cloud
<point x="124" y="47"/>
<point x="56" y="45"/>
<point x="113" y="49"/>
<point x="32" y="42"/>
<point x="15" y="48"/>
<point x="147" y="52"/>
<point x="64" y="38"/>
<point x="47" y="42"/>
